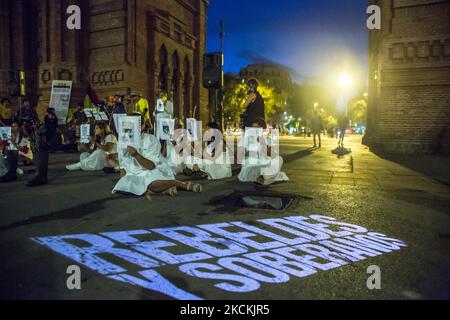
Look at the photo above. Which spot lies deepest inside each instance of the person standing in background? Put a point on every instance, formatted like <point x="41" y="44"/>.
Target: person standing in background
<point x="254" y="105"/>
<point x="342" y="125"/>
<point x="163" y="110"/>
<point x="316" y="128"/>
<point x="118" y="108"/>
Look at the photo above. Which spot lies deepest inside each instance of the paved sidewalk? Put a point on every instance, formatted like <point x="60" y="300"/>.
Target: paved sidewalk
<point x="355" y="165"/>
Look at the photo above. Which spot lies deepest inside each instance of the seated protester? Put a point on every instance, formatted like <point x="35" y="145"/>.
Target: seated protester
<point x="168" y="154"/>
<point x="6" y="113"/>
<point x="103" y="143"/>
<point x="253" y="170"/>
<point x="18" y="149"/>
<point x="28" y="117"/>
<point x="113" y="159"/>
<point x="214" y="168"/>
<point x="143" y="171"/>
<point x="69" y="137"/>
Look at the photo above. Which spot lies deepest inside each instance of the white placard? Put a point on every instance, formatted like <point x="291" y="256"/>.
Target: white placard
<point x="129" y="131"/>
<point x="252" y="139"/>
<point x="116" y="118"/>
<point x="192" y="129"/>
<point x="104" y="116"/>
<point x="5" y="134"/>
<point x="85" y="133"/>
<point x="166" y="129"/>
<point x="97" y="116"/>
<point x="60" y="99"/>
<point x="89" y="113"/>
<point x="160" y="105"/>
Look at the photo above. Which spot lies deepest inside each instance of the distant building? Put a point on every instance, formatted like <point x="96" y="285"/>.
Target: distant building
<point x="268" y="74"/>
<point x="409" y="76"/>
<point x="123" y="47"/>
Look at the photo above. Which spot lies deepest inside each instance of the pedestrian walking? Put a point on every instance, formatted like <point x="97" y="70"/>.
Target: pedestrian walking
<point x="316" y="128"/>
<point x="343" y="125"/>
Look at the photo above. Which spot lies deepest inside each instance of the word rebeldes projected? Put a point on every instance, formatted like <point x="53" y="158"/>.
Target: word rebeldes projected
<point x="240" y="256"/>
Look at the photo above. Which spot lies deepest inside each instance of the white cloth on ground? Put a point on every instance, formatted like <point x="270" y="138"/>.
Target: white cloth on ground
<point x="137" y="178"/>
<point x="96" y="160"/>
<point x="217" y="168"/>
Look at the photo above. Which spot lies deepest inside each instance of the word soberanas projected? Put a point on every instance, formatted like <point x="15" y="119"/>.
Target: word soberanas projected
<point x="236" y="257"/>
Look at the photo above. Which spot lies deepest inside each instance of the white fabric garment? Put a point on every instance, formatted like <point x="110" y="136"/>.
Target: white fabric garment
<point x="262" y="165"/>
<point x="96" y="160"/>
<point x="216" y="168"/>
<point x="137" y="178"/>
<point x="251" y="171"/>
<point x="177" y="167"/>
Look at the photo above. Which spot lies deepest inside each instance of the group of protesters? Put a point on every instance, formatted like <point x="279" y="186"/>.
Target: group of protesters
<point x="152" y="167"/>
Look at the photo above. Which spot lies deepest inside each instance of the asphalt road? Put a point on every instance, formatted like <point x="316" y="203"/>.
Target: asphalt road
<point x="352" y="185"/>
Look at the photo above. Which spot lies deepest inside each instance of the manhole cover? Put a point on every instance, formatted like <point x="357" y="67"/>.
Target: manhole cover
<point x="239" y="200"/>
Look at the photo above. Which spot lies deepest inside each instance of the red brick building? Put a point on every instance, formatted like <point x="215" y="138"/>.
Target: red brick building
<point x="123" y="47"/>
<point x="409" y="76"/>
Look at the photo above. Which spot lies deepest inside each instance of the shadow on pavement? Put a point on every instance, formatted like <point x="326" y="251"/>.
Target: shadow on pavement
<point x="76" y="212"/>
<point x="340" y="152"/>
<point x="298" y="155"/>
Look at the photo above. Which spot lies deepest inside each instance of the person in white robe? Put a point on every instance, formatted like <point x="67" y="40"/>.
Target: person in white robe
<point x="144" y="171"/>
<point x="176" y="164"/>
<point x="104" y="143"/>
<point x="215" y="164"/>
<point x="262" y="167"/>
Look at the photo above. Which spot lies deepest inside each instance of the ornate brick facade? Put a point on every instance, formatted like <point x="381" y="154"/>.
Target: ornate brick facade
<point x="124" y="47"/>
<point x="409" y="75"/>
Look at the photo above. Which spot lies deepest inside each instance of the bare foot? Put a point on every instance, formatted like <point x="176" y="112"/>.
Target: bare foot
<point x="172" y="192"/>
<point x="194" y="187"/>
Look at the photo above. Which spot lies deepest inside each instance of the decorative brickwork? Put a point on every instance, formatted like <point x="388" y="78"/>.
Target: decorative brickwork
<point x="409" y="80"/>
<point x="117" y="50"/>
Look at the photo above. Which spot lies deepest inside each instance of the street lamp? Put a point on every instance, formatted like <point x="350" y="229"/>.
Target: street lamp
<point x="345" y="80"/>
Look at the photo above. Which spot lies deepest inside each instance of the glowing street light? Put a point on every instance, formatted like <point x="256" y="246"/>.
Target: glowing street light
<point x="345" y="80"/>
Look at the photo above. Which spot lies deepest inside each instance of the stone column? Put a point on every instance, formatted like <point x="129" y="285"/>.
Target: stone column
<point x="64" y="52"/>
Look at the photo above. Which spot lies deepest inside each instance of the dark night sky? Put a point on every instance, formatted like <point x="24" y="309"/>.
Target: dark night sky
<point x="313" y="37"/>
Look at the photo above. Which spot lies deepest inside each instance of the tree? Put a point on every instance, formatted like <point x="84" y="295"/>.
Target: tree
<point x="235" y="95"/>
<point x="357" y="110"/>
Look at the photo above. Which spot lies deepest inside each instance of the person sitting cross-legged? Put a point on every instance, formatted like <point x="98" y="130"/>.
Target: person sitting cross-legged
<point x="95" y="157"/>
<point x="18" y="148"/>
<point x="216" y="166"/>
<point x="266" y="168"/>
<point x="144" y="171"/>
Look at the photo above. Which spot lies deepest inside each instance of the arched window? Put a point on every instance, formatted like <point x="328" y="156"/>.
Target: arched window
<point x="163" y="71"/>
<point x="176" y="82"/>
<point x="186" y="88"/>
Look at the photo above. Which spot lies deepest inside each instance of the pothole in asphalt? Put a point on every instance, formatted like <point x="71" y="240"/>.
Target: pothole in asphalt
<point x="240" y="200"/>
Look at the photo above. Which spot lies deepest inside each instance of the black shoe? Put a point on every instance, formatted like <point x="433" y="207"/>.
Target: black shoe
<point x="37" y="182"/>
<point x="199" y="175"/>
